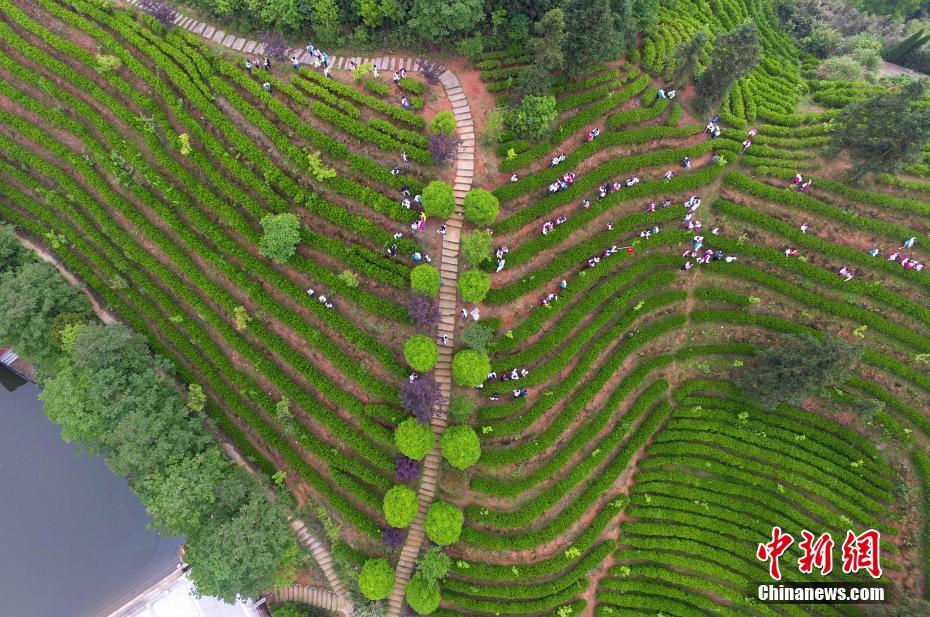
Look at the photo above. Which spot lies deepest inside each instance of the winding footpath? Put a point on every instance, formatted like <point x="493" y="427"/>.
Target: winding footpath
<point x="337" y="599"/>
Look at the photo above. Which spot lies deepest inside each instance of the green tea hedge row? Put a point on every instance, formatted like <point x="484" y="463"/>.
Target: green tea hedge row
<point x="606" y="140"/>
<point x="190" y="344"/>
<point x="583" y="502"/>
<point x="573" y="125"/>
<point x="348" y="92"/>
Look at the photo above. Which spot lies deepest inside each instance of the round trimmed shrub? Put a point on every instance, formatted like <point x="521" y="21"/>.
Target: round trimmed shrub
<point x="400" y="506"/>
<point x="422" y="594"/>
<point x="377" y="579"/>
<point x="470" y="368"/>
<point x="481" y="207"/>
<point x="421" y="353"/>
<point x="474" y="285"/>
<point x="414" y="440"/>
<point x="438" y="199"/>
<point x="424" y="279"/>
<point x="460" y="446"/>
<point x="443" y="122"/>
<point x="444" y="523"/>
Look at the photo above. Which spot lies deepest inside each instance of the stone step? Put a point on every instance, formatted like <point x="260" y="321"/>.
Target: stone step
<point x="208" y="32"/>
<point x="250" y="47"/>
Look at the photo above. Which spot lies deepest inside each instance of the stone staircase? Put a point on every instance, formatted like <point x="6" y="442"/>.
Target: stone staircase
<point x="252" y="47"/>
<point x="337" y="599"/>
<point x="448" y="307"/>
<point x="305" y="594"/>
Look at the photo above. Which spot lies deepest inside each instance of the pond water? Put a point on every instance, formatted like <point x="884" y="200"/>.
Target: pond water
<point x="73" y="537"/>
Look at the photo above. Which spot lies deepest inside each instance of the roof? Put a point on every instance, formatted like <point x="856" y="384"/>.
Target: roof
<point x="177" y="601"/>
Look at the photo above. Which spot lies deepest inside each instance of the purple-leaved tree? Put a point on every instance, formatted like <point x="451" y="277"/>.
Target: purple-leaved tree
<point x="420" y="396"/>
<point x="423" y="310"/>
<point x="406" y="468"/>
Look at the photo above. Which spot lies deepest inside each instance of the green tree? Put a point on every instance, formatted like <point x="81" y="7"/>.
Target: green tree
<point x="12" y="253"/>
<point x="823" y="41"/>
<point x="736" y="53"/>
<point x="439" y="21"/>
<point x="599" y="41"/>
<point x="796" y="367"/>
<point x="470" y="368"/>
<point x="422" y="594"/>
<point x="421" y="353"/>
<point x="425" y="279"/>
<point x="243" y="555"/>
<point x="481" y="207"/>
<point x="625" y="25"/>
<point x="443" y="523"/>
<point x="884" y="132"/>
<point x="477" y="336"/>
<point x="31" y="299"/>
<point x="474" y="285"/>
<point x="196" y="398"/>
<point x="443" y="122"/>
<point x="438" y="199"/>
<point x="414" y="440"/>
<point x="376" y="579"/>
<point x="324" y="17"/>
<point x="282" y="233"/>
<point x="550" y="35"/>
<point x="182" y="498"/>
<point x="461" y="406"/>
<point x="400" y="506"/>
<point x="476" y="246"/>
<point x="532" y="80"/>
<point x="533" y="117"/>
<point x="461" y="446"/>
<point x="434" y="564"/>
<point x="647" y="15"/>
<point x="687" y="56"/>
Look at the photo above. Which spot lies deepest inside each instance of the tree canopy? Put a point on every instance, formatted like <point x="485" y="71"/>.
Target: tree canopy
<point x="461" y="446"/>
<point x="282" y="233"/>
<point x="413" y="439"/>
<point x="422" y="594"/>
<point x="796" y="367"/>
<point x="470" y="368"/>
<point x="884" y="132"/>
<point x="550" y="36"/>
<point x="438" y="199"/>
<point x="31" y="300"/>
<point x="481" y="207"/>
<point x="736" y="53"/>
<point x="400" y="506"/>
<point x="687" y="55"/>
<point x="595" y="39"/>
<point x="376" y="579"/>
<point x="117" y="400"/>
<point x="476" y="246"/>
<point x="533" y="116"/>
<point x="421" y="353"/>
<point x="424" y="279"/>
<point x="474" y="285"/>
<point x="12" y="253"/>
